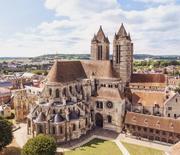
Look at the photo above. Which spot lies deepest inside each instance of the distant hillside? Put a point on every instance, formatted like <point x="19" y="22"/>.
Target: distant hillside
<point x="160" y="57"/>
<point x="87" y="56"/>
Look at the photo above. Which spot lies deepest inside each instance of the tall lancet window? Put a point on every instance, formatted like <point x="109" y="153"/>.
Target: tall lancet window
<point x="57" y="93"/>
<point x="100" y="52"/>
<point x="118" y="53"/>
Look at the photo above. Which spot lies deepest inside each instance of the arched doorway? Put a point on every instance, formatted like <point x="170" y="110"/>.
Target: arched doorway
<point x="99" y="120"/>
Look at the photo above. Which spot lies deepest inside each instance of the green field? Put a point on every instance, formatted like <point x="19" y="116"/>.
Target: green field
<point x="96" y="147"/>
<point x="141" y="150"/>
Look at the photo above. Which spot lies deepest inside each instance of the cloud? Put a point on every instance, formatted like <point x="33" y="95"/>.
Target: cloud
<point x="148" y="27"/>
<point x="156" y="1"/>
<point x="79" y="8"/>
<point x="154" y="30"/>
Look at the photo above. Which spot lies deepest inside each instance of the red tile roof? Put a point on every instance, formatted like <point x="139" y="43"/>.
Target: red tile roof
<point x="154" y="122"/>
<point x="148" y="78"/>
<point x="148" y="98"/>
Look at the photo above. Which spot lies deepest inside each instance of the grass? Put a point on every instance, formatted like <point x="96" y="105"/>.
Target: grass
<point x="141" y="150"/>
<point x="96" y="147"/>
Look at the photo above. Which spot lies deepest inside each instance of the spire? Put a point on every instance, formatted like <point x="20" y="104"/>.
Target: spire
<point x="122" y="32"/>
<point x="100" y="34"/>
<point x="115" y="36"/>
<point x="129" y="36"/>
<point x="94" y="38"/>
<point x="107" y="40"/>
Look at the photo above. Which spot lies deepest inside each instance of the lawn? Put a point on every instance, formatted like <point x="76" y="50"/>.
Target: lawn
<point x="141" y="150"/>
<point x="96" y="147"/>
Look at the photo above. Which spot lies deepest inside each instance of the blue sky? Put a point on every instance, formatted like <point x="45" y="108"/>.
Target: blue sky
<point x="35" y="27"/>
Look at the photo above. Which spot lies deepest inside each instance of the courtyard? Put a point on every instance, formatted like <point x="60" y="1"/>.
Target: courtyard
<point x="134" y="149"/>
<point x="99" y="141"/>
<point x="96" y="146"/>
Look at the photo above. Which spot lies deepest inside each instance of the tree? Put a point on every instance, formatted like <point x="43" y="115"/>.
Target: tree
<point x="177" y="89"/>
<point x="6" y="135"/>
<point x="40" y="145"/>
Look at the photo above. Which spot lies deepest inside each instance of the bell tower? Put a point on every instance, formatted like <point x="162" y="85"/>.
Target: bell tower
<point x="100" y="46"/>
<point x="123" y="55"/>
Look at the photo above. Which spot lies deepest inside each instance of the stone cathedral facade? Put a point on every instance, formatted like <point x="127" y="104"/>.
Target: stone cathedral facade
<point x="122" y="52"/>
<point x="81" y="95"/>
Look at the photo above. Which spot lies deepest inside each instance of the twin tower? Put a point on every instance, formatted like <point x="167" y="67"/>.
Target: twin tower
<point x="122" y="60"/>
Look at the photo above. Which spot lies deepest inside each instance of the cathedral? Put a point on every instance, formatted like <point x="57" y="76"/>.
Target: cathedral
<point x="79" y="96"/>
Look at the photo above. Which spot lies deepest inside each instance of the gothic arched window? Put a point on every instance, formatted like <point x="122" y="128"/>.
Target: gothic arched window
<point x="64" y="92"/>
<point x="101" y="105"/>
<point x="100" y="52"/>
<point x="70" y="89"/>
<point x="40" y="129"/>
<point x="50" y="91"/>
<point x="109" y="118"/>
<point x="74" y="127"/>
<point x="61" y="129"/>
<point x="57" y="93"/>
<point x="97" y="104"/>
<point x="53" y="130"/>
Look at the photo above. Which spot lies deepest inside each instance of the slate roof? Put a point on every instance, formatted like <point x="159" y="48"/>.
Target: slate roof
<point x="41" y="117"/>
<point x="73" y="115"/>
<point x="58" y="118"/>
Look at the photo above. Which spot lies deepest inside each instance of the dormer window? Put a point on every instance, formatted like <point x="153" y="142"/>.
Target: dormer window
<point x="134" y="119"/>
<point x="171" y="125"/>
<point x="158" y="124"/>
<point x="146" y="122"/>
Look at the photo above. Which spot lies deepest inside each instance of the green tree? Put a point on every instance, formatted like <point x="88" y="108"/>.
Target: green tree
<point x="40" y="145"/>
<point x="177" y="89"/>
<point x="6" y="135"/>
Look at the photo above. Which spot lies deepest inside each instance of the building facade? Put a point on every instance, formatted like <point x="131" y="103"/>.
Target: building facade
<point x="22" y="102"/>
<point x="154" y="128"/>
<point x="172" y="106"/>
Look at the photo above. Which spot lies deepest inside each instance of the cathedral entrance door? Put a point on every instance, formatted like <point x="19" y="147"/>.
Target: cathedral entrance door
<point x="99" y="120"/>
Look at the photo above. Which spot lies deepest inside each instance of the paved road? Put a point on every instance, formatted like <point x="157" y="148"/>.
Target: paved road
<point x="121" y="147"/>
<point x="20" y="135"/>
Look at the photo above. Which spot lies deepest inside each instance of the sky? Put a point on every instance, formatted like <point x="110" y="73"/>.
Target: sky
<point x="36" y="27"/>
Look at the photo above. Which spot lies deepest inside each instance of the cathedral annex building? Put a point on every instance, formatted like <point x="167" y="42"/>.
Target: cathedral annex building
<point x="81" y="95"/>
